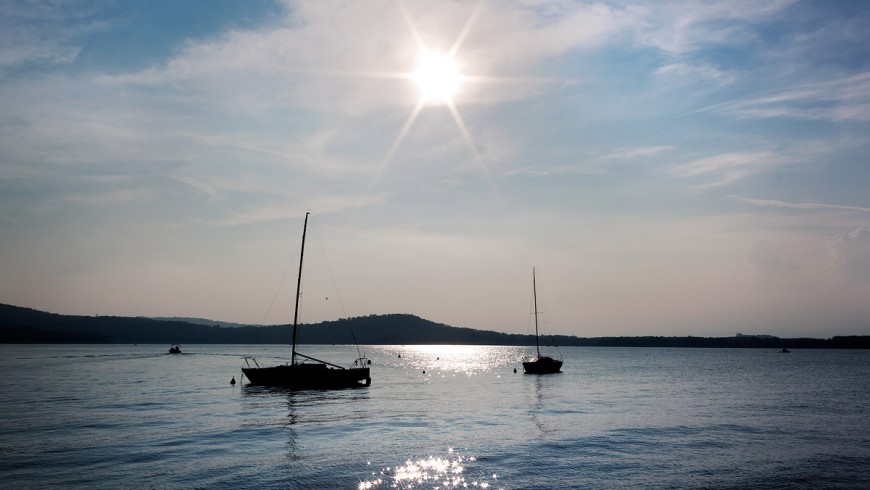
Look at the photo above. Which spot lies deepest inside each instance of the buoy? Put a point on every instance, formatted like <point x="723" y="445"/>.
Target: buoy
<point x="424" y="371"/>
<point x="400" y="356"/>
<point x="515" y="369"/>
<point x="233" y="381"/>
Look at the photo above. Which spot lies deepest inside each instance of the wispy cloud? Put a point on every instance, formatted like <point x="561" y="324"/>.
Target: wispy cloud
<point x="797" y="205"/>
<point x="683" y="27"/>
<point x="683" y="73"/>
<point x="845" y="99"/>
<point x="621" y="154"/>
<point x="43" y="33"/>
<point x="593" y="165"/>
<point x="730" y="167"/>
<point x="727" y="168"/>
<point x="850" y="253"/>
<point x="556" y="170"/>
<point x="324" y="204"/>
<point x="108" y="197"/>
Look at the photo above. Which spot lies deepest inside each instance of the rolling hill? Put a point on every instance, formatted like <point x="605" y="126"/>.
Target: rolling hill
<point x="26" y="325"/>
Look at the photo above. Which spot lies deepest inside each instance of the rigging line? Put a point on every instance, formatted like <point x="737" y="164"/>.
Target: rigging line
<point x="553" y="338"/>
<point x="542" y="302"/>
<point x="329" y="269"/>
<point x="278" y="290"/>
<point x="358" y="353"/>
<point x="335" y="286"/>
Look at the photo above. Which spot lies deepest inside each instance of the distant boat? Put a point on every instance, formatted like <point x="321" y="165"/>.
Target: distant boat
<point x="784" y="351"/>
<point x="540" y="364"/>
<point x="310" y="372"/>
<point x="175" y="349"/>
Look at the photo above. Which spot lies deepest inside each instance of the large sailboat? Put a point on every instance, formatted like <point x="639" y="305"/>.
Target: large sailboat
<point x="540" y="364"/>
<point x="305" y="371"/>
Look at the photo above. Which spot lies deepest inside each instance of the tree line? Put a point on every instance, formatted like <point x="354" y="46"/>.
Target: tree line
<point x="25" y="325"/>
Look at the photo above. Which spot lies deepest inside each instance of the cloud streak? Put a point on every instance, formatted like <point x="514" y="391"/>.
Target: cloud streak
<point x="728" y="168"/>
<point x="792" y="205"/>
<point x="845" y="99"/>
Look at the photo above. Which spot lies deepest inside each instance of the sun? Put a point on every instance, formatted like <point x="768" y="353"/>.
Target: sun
<point x="439" y="80"/>
<point x="437" y="76"/>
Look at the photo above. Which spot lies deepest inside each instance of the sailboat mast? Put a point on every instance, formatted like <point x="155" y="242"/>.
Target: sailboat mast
<point x="298" y="288"/>
<point x="535" y="294"/>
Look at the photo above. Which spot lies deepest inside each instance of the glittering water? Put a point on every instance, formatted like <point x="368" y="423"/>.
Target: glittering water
<point x="436" y="417"/>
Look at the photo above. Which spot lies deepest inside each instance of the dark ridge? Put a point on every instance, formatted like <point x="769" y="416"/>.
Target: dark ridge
<point x="26" y="325"/>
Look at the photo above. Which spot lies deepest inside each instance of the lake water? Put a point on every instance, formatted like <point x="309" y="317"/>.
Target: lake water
<point x="113" y="416"/>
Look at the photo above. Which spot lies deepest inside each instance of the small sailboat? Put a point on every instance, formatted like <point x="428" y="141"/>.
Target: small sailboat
<point x="308" y="372"/>
<point x="540" y="364"/>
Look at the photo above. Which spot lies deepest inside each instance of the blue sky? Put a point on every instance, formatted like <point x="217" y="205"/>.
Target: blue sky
<point x="670" y="167"/>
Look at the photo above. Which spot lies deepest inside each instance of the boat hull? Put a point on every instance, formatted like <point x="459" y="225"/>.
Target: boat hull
<point x="542" y="365"/>
<point x="308" y="375"/>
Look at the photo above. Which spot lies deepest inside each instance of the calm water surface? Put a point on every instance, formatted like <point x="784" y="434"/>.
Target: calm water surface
<point x="436" y="417"/>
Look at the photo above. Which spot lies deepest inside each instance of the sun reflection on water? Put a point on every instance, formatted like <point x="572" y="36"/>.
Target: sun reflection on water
<point x="429" y="472"/>
<point x="456" y="359"/>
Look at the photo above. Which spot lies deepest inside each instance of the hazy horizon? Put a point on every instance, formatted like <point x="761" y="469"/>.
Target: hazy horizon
<point x="670" y="168"/>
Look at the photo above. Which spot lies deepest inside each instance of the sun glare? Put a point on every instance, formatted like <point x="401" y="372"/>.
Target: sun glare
<point x="437" y="77"/>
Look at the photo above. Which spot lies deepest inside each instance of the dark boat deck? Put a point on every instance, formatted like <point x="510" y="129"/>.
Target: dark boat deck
<point x="308" y="375"/>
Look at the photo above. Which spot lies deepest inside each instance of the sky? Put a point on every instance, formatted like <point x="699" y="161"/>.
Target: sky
<point x="667" y="167"/>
